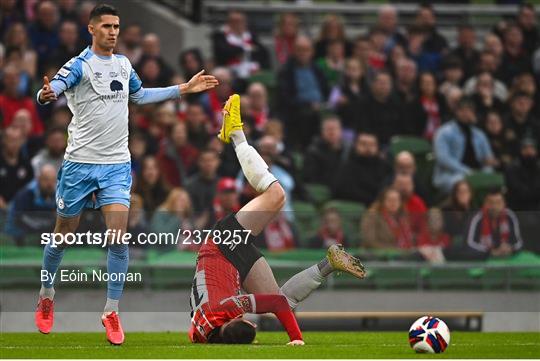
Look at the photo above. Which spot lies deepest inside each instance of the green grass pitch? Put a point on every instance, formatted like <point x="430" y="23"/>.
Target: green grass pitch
<point x="269" y="345"/>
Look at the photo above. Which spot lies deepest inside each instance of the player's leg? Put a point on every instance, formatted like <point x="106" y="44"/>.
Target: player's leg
<point x="260" y="279"/>
<point x="113" y="198"/>
<point x="53" y="253"/>
<point x="116" y="219"/>
<point x="52" y="257"/>
<point x="255" y="215"/>
<point x="258" y="212"/>
<point x="73" y="191"/>
<point x="301" y="285"/>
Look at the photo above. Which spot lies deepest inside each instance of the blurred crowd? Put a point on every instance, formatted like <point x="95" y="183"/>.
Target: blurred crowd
<point x="321" y="110"/>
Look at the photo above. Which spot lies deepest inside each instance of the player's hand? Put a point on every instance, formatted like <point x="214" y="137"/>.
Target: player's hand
<point x="296" y="343"/>
<point x="47" y="94"/>
<point x="199" y="83"/>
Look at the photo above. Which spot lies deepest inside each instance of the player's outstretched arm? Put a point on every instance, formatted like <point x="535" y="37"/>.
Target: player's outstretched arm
<point x="69" y="75"/>
<point x="46" y="94"/>
<point x="198" y="83"/>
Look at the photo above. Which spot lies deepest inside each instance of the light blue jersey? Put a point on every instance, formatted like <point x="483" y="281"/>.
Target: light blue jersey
<point x="98" y="90"/>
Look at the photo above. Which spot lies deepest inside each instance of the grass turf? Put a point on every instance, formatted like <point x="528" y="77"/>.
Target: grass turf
<point x="269" y="345"/>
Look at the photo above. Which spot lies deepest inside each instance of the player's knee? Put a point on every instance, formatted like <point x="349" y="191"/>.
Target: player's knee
<point x="66" y="225"/>
<point x="277" y="195"/>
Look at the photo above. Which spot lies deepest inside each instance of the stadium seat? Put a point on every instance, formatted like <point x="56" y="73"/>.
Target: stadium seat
<point x="172" y="268"/>
<point x="318" y="193"/>
<point x="522" y="271"/>
<point x="482" y="182"/>
<point x="306" y="220"/>
<point x="19" y="265"/>
<point x="445" y="277"/>
<point x="88" y="256"/>
<point x="351" y="213"/>
<point x="267" y="78"/>
<point x="298" y="159"/>
<point x="415" y="145"/>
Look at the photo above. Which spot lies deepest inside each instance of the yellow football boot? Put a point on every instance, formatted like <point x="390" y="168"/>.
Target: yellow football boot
<point x="231" y="118"/>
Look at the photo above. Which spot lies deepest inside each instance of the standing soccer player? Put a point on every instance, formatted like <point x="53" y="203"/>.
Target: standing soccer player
<point x="98" y="85"/>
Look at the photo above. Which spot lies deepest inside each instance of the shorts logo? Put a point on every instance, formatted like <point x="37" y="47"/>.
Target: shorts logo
<point x="60" y="203"/>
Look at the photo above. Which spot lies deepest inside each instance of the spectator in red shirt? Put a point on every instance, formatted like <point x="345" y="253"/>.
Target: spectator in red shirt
<point x="330" y="232"/>
<point x="177" y="156"/>
<point x="386" y="225"/>
<point x="260" y="111"/>
<point x="433" y="240"/>
<point x="285" y="36"/>
<point x="227" y="198"/>
<point x="11" y="101"/>
<point x="413" y="204"/>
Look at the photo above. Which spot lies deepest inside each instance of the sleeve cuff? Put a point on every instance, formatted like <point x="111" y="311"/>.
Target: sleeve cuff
<point x="37" y="98"/>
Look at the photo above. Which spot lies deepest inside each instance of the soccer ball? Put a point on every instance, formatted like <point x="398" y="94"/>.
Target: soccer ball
<point x="429" y="335"/>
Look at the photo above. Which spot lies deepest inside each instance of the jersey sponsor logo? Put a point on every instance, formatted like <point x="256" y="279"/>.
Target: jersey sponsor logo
<point x="117" y="97"/>
<point x="64" y="72"/>
<point x="116" y="86"/>
<point x="124" y="73"/>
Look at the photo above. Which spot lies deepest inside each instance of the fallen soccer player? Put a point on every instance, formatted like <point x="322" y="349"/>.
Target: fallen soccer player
<point x="224" y="269"/>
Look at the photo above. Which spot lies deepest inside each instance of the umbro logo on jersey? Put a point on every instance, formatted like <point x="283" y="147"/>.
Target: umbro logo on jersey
<point x="113" y="74"/>
<point x="98" y="75"/>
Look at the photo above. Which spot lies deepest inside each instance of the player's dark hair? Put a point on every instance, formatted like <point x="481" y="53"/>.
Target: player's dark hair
<point x="238" y="332"/>
<point x="102" y="9"/>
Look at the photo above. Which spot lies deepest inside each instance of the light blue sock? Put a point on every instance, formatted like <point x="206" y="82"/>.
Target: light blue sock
<point x="52" y="256"/>
<point x="117" y="266"/>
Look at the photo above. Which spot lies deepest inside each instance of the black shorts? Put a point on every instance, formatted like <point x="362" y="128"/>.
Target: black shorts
<point x="241" y="255"/>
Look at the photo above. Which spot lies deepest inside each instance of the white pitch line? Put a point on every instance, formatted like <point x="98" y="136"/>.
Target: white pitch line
<point x="255" y="345"/>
